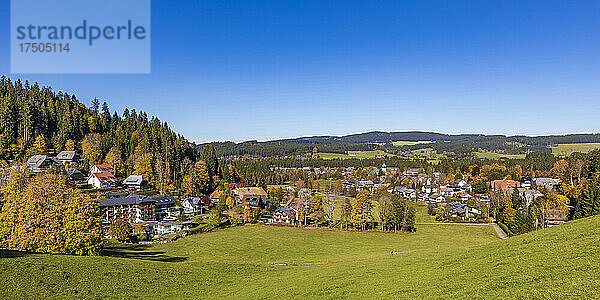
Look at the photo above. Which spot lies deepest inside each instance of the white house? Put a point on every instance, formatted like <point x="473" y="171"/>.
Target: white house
<point x="193" y="206"/>
<point x="101" y="180"/>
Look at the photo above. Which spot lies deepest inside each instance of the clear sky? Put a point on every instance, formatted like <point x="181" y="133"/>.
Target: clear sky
<point x="240" y="70"/>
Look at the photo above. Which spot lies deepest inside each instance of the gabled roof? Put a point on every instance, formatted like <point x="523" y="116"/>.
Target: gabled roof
<point x="104" y="176"/>
<point x="135" y="180"/>
<point x="37" y="160"/>
<point x="250" y="191"/>
<point x="105" y="167"/>
<point x="66" y="155"/>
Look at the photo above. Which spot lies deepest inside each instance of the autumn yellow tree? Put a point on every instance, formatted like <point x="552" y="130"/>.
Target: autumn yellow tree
<point x="92" y="148"/>
<point x="39" y="144"/>
<point x="113" y="157"/>
<point x="93" y="123"/>
<point x="70" y="145"/>
<point x="362" y="210"/>
<point x="45" y="215"/>
<point x="144" y="164"/>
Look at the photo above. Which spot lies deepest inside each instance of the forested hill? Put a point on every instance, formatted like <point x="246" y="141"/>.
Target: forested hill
<point x="458" y="143"/>
<point x="37" y="120"/>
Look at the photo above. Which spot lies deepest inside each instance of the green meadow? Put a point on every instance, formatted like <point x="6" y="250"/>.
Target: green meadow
<point x="495" y="156"/>
<point x="438" y="261"/>
<point x="567" y="149"/>
<point x="355" y="154"/>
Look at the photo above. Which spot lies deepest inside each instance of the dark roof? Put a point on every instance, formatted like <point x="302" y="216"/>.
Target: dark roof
<point x="162" y="200"/>
<point x="128" y="200"/>
<point x="70" y="171"/>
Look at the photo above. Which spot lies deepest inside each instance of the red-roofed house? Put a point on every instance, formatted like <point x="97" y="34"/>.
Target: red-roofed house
<point x="102" y="168"/>
<point x="102" y="179"/>
<point x="504" y="185"/>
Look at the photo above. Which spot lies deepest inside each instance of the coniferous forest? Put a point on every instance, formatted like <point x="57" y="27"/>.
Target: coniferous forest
<point x="37" y="120"/>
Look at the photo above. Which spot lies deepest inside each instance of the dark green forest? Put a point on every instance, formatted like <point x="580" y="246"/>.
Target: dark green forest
<point x="37" y="120"/>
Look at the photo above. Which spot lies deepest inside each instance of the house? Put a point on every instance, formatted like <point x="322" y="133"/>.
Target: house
<point x="429" y="189"/>
<point x="102" y="176"/>
<point x="102" y="180"/>
<point x="251" y="197"/>
<point x="435" y="198"/>
<point x="305" y="193"/>
<point x="405" y="192"/>
<point x="550" y="184"/>
<point x="166" y="207"/>
<point x="555" y="217"/>
<point x="530" y="195"/>
<point x="131" y="208"/>
<point x="286" y="215"/>
<point x="75" y="176"/>
<point x="504" y="185"/>
<point x="215" y="196"/>
<point x="135" y="182"/>
<point x="65" y="157"/>
<point x="464" y="211"/>
<point x="41" y="162"/>
<point x="102" y="168"/>
<point x="194" y="206"/>
<point x="165" y="228"/>
<point x="411" y="172"/>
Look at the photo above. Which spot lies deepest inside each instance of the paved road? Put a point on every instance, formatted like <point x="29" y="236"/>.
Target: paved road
<point x="467" y="224"/>
<point x="499" y="231"/>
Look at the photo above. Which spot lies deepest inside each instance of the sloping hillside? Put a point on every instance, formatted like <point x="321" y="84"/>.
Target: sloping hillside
<point x="439" y="261"/>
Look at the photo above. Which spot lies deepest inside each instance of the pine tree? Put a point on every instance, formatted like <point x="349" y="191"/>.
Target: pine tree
<point x="210" y="157"/>
<point x="95" y="105"/>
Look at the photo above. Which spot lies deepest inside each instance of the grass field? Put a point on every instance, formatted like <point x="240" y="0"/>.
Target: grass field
<point x="567" y="149"/>
<point x="410" y="143"/>
<point x="439" y="261"/>
<point x="355" y="154"/>
<point x="492" y="155"/>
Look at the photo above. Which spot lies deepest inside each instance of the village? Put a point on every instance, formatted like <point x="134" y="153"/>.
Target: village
<point x="132" y="200"/>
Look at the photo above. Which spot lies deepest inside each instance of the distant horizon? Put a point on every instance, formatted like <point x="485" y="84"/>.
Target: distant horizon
<point x="394" y="131"/>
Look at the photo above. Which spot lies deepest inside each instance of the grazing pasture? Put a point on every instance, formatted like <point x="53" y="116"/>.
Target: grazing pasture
<point x="256" y="261"/>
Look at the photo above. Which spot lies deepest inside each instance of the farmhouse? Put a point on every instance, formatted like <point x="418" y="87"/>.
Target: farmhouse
<point x="251" y="197"/>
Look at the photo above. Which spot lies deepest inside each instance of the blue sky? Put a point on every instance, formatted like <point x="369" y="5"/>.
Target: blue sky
<point x="240" y="70"/>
